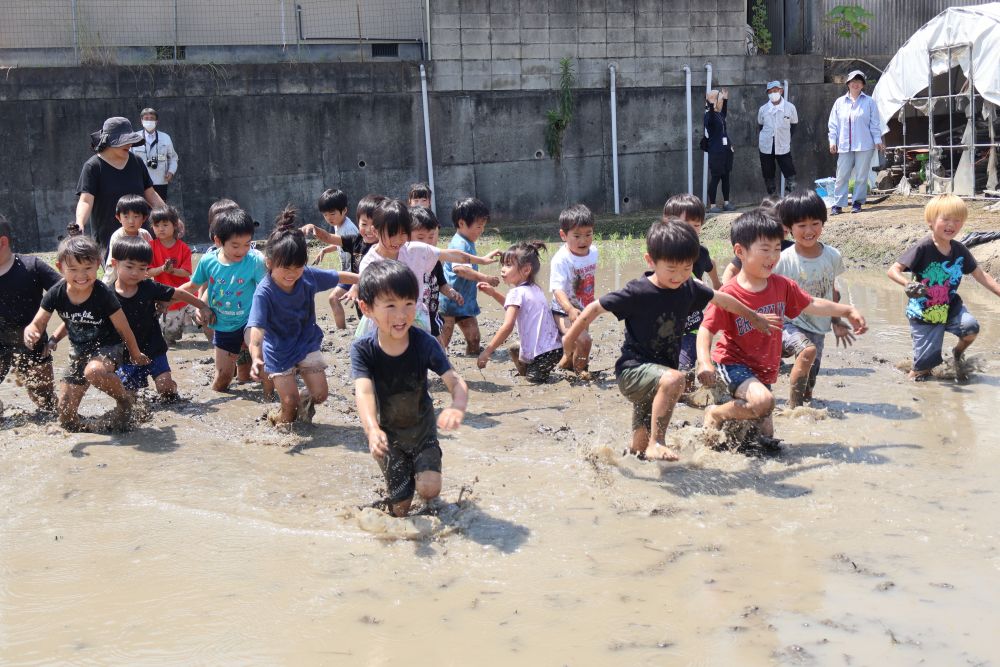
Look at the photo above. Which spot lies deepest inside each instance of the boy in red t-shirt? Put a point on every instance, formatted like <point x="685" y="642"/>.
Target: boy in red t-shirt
<point x="171" y="266"/>
<point x="749" y="360"/>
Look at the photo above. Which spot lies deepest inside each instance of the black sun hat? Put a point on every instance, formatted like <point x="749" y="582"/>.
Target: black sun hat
<point x="115" y="133"/>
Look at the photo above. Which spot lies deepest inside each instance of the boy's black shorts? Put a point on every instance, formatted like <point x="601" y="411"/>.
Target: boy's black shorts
<point x="22" y="359"/>
<point x="400" y="467"/>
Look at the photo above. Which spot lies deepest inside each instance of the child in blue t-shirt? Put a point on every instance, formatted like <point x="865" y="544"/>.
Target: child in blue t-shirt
<point x="470" y="216"/>
<point x="284" y="336"/>
<point x="231" y="275"/>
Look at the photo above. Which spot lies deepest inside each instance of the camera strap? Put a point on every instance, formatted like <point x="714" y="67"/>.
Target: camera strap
<point x="150" y="148"/>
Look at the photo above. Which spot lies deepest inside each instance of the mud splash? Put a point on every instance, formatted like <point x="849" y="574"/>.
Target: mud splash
<point x="206" y="536"/>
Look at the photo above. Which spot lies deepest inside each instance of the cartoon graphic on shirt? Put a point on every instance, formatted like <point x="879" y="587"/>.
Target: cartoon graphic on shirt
<point x="583" y="285"/>
<point x="942" y="280"/>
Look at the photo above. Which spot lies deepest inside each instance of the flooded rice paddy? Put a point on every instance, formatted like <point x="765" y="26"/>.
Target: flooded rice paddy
<point x="205" y="537"/>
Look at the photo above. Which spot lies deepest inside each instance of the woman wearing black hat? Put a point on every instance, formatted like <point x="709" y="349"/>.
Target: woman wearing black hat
<point x="113" y="172"/>
<point x="855" y="132"/>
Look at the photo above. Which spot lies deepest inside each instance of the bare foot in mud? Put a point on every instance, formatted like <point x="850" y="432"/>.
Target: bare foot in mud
<point x="515" y="356"/>
<point x="121" y="416"/>
<point x="711" y="421"/>
<point x="584" y="375"/>
<point x="307" y="410"/>
<point x="76" y="425"/>
<point x="919" y="376"/>
<point x="660" y="452"/>
<point x="961" y="368"/>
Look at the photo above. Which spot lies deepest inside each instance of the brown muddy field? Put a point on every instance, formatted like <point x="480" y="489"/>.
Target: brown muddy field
<point x="205" y="537"/>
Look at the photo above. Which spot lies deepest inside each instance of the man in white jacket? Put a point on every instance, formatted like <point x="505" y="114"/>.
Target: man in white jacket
<point x="776" y="120"/>
<point x="158" y="153"/>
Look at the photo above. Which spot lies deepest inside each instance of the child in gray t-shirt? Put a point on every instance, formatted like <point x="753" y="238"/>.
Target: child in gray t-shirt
<point x="815" y="267"/>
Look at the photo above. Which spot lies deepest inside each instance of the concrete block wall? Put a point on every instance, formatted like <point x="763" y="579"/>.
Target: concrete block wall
<point x="517" y="44"/>
<point x="268" y="135"/>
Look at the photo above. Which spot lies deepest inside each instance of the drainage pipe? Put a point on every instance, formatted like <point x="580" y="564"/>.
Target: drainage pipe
<point x="690" y="128"/>
<point x="704" y="165"/>
<point x="614" y="140"/>
<point x="781" y="192"/>
<point x="427" y="10"/>
<point x="427" y="137"/>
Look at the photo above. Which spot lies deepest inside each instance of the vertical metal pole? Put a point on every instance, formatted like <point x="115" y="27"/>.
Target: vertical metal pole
<point x="929" y="175"/>
<point x="905" y="143"/>
<point x="782" y="190"/>
<point x="690" y="130"/>
<point x="76" y="34"/>
<point x="972" y="120"/>
<point x="951" y="127"/>
<point x="704" y="164"/>
<point x="614" y="139"/>
<point x="427" y="134"/>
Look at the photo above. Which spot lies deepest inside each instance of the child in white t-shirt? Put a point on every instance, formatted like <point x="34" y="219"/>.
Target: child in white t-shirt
<point x="572" y="278"/>
<point x="526" y="309"/>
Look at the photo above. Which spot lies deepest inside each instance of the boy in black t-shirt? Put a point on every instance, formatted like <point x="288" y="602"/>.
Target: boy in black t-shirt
<point x="96" y="325"/>
<point x="138" y="296"/>
<point x="389" y="368"/>
<point x="656" y="308"/>
<point x="937" y="263"/>
<point x="23" y="279"/>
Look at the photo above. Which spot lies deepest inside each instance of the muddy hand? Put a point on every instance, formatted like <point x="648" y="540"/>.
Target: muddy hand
<point x="766" y="323"/>
<point x="915" y="290"/>
<point x="857" y="321"/>
<point x="140" y="359"/>
<point x="844" y="335"/>
<point x="450" y="419"/>
<point x="31" y="336"/>
<point x="378" y="444"/>
<point x="484" y="358"/>
<point x="706" y="375"/>
<point x="257" y="369"/>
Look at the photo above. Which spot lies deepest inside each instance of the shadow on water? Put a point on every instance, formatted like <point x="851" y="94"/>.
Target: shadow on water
<point x="883" y="410"/>
<point x="841" y="453"/>
<point x="474" y="524"/>
<point x="487" y="387"/>
<point x="160" y="440"/>
<point x="687" y="482"/>
<point x="333" y="435"/>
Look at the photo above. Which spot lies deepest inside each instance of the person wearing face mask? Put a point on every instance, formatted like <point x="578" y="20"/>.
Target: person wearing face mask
<point x="158" y="152"/>
<point x="113" y="172"/>
<point x="855" y="132"/>
<point x="720" y="149"/>
<point x="777" y="120"/>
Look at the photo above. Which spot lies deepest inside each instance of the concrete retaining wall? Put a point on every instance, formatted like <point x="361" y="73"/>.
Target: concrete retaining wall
<point x="272" y="134"/>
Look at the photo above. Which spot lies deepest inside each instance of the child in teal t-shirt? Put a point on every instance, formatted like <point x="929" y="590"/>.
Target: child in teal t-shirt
<point x="231" y="276"/>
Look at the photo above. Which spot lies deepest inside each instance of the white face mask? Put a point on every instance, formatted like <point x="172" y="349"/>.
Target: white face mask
<point x="149" y="125"/>
<point x="775" y="97"/>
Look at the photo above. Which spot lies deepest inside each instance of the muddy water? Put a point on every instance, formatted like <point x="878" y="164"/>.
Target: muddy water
<point x="204" y="537"/>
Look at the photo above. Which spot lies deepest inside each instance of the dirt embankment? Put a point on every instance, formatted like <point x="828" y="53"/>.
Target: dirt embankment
<point x="875" y="237"/>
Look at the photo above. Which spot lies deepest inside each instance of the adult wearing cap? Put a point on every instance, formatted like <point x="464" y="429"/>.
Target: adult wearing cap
<point x="777" y="120"/>
<point x="105" y="177"/>
<point x="720" y="149"/>
<point x="157" y="152"/>
<point x="855" y="132"/>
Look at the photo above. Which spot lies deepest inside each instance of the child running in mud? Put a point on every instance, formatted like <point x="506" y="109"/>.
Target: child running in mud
<point x="355" y="245"/>
<point x="332" y="205"/>
<point x="93" y="318"/>
<point x="23" y="280"/>
<point x="690" y="209"/>
<point x="231" y="275"/>
<point x="393" y="226"/>
<point x="284" y="337"/>
<point x="139" y="297"/>
<point x="424" y="227"/>
<point x="937" y="263"/>
<point x="389" y="368"/>
<point x="171" y="266"/>
<point x="470" y="216"/>
<point x="748" y="360"/>
<point x="814" y="266"/>
<point x="526" y="309"/>
<point x="573" y="280"/>
<point x="768" y="206"/>
<point x="655" y="309"/>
